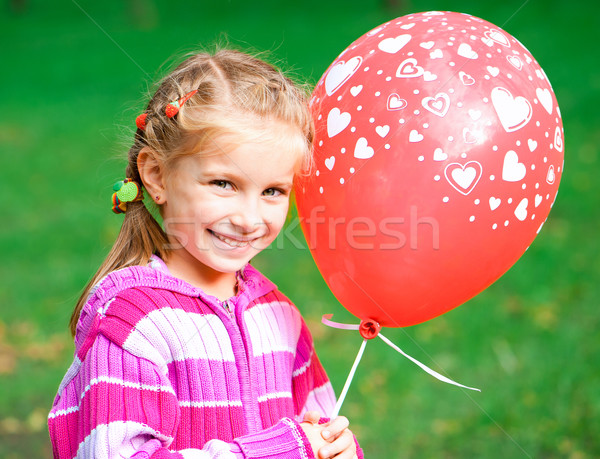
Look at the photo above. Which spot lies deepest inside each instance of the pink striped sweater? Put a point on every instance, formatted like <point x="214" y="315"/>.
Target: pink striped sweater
<point x="161" y="369"/>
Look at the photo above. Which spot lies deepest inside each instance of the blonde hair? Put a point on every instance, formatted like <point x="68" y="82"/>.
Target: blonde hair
<point x="238" y="98"/>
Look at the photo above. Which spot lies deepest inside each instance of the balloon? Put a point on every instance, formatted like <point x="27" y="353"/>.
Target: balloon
<point x="439" y="151"/>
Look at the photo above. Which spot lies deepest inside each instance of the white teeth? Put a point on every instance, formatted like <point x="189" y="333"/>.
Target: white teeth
<point x="232" y="242"/>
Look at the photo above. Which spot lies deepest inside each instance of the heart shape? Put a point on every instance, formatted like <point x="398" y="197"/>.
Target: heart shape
<point x="439" y="155"/>
<point x="498" y="37"/>
<point x="558" y="143"/>
<point x="521" y="210"/>
<point x="538" y="200"/>
<point x="414" y="136"/>
<point x="437" y="105"/>
<point x="494" y="71"/>
<point x="468" y="136"/>
<point x="436" y="54"/>
<point x="494" y="203"/>
<point x="515" y="62"/>
<point x="466" y="79"/>
<point x="463" y="178"/>
<point x="465" y="50"/>
<point x="337" y="121"/>
<point x="428" y="76"/>
<point x="394" y="102"/>
<point x="514" y="112"/>
<point x="513" y="170"/>
<point x="329" y="162"/>
<point x="362" y="150"/>
<point x="340" y="73"/>
<point x="393" y="45"/>
<point x="408" y="68"/>
<point x="407" y="26"/>
<point x="474" y="114"/>
<point x="545" y="98"/>
<point x="355" y="90"/>
<point x="532" y="144"/>
<point x="550" y="176"/>
<point x="427" y="44"/>
<point x="382" y="130"/>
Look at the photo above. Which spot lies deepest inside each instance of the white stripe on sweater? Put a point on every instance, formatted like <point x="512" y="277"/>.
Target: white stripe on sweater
<point x="168" y="335"/>
<point x="209" y="403"/>
<point x="273" y="327"/>
<point x="118" y="439"/>
<point x="274" y="395"/>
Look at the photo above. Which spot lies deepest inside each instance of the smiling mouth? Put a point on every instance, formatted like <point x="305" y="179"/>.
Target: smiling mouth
<point x="230" y="241"/>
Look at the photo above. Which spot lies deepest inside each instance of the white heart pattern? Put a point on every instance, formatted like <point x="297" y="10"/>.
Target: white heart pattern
<point x="362" y="150"/>
<point x="498" y="37"/>
<point x="474" y="114"/>
<point x="558" y="143"/>
<point x="545" y="98"/>
<point x="436" y="54"/>
<point x="513" y="170"/>
<point x="355" y="90"/>
<point x="393" y="45"/>
<point x="463" y="178"/>
<point x="408" y="68"/>
<point x="394" y="102"/>
<point x="532" y="144"/>
<point x="538" y="200"/>
<point x="515" y="62"/>
<point x="494" y="203"/>
<point x="427" y="44"/>
<point x="494" y="71"/>
<point x="329" y="162"/>
<point x="382" y="131"/>
<point x="468" y="136"/>
<point x="337" y="121"/>
<point x="428" y="76"/>
<point x="514" y="112"/>
<point x="414" y="136"/>
<point x="466" y="79"/>
<point x="550" y="176"/>
<point x="439" y="155"/>
<point x="465" y="50"/>
<point x="340" y="73"/>
<point x="437" y="105"/>
<point x="521" y="210"/>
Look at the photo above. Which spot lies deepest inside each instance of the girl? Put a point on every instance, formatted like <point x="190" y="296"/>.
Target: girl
<point x="183" y="349"/>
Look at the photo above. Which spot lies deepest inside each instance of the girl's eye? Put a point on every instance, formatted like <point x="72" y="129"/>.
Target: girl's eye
<point x="272" y="192"/>
<point x="223" y="184"/>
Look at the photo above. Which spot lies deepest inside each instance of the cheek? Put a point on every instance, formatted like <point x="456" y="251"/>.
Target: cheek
<point x="278" y="217"/>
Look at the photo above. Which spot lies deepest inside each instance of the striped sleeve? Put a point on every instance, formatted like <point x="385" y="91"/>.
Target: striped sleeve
<point x="312" y="390"/>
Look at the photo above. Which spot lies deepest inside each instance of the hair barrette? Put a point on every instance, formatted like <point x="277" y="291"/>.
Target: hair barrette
<point x="173" y="107"/>
<point x="140" y="121"/>
<point x="125" y="191"/>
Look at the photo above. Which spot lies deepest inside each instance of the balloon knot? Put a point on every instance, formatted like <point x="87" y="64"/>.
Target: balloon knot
<point x="369" y="329"/>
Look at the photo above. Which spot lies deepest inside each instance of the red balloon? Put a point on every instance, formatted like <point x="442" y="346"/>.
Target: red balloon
<point x="439" y="151"/>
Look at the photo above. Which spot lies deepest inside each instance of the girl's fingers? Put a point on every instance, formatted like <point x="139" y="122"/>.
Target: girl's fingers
<point x="344" y="443"/>
<point x="335" y="428"/>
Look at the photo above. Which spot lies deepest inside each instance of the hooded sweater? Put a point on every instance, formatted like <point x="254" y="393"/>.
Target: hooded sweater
<point x="163" y="370"/>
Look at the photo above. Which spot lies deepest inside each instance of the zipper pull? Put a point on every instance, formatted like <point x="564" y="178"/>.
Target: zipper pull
<point x="228" y="308"/>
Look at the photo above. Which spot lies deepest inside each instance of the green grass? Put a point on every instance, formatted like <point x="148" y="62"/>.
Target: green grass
<point x="73" y="83"/>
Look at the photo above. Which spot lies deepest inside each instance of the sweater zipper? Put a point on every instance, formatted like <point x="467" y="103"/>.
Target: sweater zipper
<point x="228" y="308"/>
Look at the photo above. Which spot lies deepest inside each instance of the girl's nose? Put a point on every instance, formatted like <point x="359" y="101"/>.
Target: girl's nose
<point x="246" y="217"/>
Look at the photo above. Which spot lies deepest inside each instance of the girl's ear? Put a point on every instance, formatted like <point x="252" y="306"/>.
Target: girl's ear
<point x="152" y="174"/>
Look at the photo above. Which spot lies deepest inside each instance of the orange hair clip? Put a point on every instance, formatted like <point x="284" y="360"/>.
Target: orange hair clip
<point x="173" y="108"/>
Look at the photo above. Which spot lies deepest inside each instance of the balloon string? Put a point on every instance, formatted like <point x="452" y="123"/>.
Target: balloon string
<point x="349" y="379"/>
<point x="326" y="319"/>
<point x="424" y="367"/>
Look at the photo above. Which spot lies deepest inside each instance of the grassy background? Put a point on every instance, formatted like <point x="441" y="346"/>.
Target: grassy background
<point x="74" y="76"/>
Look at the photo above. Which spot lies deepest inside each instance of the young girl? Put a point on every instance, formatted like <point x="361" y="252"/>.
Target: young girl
<point x="183" y="349"/>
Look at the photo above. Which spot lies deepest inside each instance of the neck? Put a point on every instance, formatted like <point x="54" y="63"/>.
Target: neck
<point x="222" y="285"/>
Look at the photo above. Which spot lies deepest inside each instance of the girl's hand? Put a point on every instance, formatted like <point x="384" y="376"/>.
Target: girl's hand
<point x="339" y="440"/>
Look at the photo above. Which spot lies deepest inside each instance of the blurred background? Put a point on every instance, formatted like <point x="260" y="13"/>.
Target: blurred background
<point x="74" y="76"/>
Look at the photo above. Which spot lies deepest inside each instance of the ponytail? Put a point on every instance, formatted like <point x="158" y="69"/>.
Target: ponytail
<point x="140" y="237"/>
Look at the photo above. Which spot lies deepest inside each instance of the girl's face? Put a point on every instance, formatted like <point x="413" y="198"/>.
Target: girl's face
<point x="223" y="209"/>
